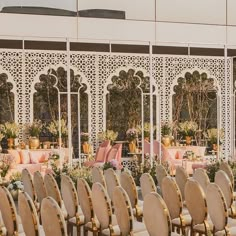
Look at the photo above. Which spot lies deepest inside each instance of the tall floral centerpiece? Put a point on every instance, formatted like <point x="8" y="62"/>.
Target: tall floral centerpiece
<point x="34" y="129"/>
<point x="132" y="135"/>
<point x="10" y="131"/>
<point x="146" y="130"/>
<point x="85" y="145"/>
<point x="187" y="130"/>
<point x="212" y="135"/>
<point x="108" y="135"/>
<point x="166" y="132"/>
<point x="53" y="128"/>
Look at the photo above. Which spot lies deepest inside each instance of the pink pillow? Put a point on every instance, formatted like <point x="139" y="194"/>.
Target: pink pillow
<point x="112" y="154"/>
<point x="25" y="158"/>
<point x="36" y="157"/>
<point x="16" y="155"/>
<point x="101" y="154"/>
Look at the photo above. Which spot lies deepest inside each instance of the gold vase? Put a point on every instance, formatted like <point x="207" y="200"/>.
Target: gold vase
<point x="166" y="140"/>
<point x="10" y="143"/>
<point x="86" y="147"/>
<point x="14" y="193"/>
<point x="215" y="147"/>
<point x="132" y="147"/>
<point x="34" y="142"/>
<point x="188" y="140"/>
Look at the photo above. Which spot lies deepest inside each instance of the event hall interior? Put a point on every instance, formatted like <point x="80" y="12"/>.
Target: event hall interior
<point x="117" y="117"/>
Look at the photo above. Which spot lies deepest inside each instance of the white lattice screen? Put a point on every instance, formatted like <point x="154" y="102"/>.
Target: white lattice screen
<point x="96" y="69"/>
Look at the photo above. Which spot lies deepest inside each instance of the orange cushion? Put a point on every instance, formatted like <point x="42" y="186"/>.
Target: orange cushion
<point x="16" y="155"/>
<point x="25" y="158"/>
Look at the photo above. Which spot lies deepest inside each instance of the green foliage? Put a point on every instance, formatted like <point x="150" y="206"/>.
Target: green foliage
<point x="212" y="169"/>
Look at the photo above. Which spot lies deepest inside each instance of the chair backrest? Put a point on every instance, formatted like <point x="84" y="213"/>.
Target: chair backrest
<point x="101" y="205"/>
<point x="172" y="197"/>
<point x="52" y="218"/>
<point x="155" y="210"/>
<point x="195" y="201"/>
<point x="160" y="174"/>
<point x="156" y="147"/>
<point x="28" y="215"/>
<point x="227" y="169"/>
<point x="147" y="147"/>
<point x="39" y="186"/>
<point x="102" y="151"/>
<point x="52" y="189"/>
<point x="111" y="181"/>
<point x="123" y="210"/>
<point x="128" y="184"/>
<point x="181" y="178"/>
<point x="69" y="196"/>
<point x="28" y="183"/>
<point x="147" y="184"/>
<point x="115" y="153"/>
<point x="97" y="176"/>
<point x="85" y="199"/>
<point x="8" y="210"/>
<point x="202" y="178"/>
<point x="223" y="181"/>
<point x="217" y="208"/>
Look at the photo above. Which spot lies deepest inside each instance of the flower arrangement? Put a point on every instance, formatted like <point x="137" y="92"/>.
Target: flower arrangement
<point x="84" y="137"/>
<point x="10" y="129"/>
<point x="212" y="135"/>
<point x="131" y="134"/>
<point x="188" y="128"/>
<point x="15" y="182"/>
<point x="108" y="135"/>
<point x="146" y="129"/>
<point x="53" y="128"/>
<point x="166" y="128"/>
<point x="5" y="163"/>
<point x="114" y="164"/>
<point x="34" y="128"/>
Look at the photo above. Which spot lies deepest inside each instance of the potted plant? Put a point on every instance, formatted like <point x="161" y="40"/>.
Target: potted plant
<point x="108" y="135"/>
<point x="146" y="130"/>
<point x="132" y="135"/>
<point x="34" y="129"/>
<point x="187" y="130"/>
<point x="166" y="131"/>
<point x="10" y="131"/>
<point x="84" y="139"/>
<point x="212" y="135"/>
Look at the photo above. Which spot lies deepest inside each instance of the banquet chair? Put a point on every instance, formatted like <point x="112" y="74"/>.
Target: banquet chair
<point x="227" y="169"/>
<point x="103" y="211"/>
<point x="84" y="194"/>
<point x="223" y="181"/>
<point x="156" y="216"/>
<point x="97" y="176"/>
<point x="172" y="197"/>
<point x="3" y="230"/>
<point x="124" y="214"/>
<point x="147" y="184"/>
<point x="71" y="202"/>
<point x="53" y="191"/>
<point x="101" y="154"/>
<point x="112" y="181"/>
<point x="218" y="212"/>
<point x="196" y="203"/>
<point x="128" y="184"/>
<point x="9" y="214"/>
<point x="52" y="218"/>
<point x="181" y="178"/>
<point x="160" y="174"/>
<point x="202" y="178"/>
<point x="115" y="153"/>
<point x="39" y="186"/>
<point x="28" y="215"/>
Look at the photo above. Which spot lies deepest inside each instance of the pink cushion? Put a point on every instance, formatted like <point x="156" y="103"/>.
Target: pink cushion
<point x="25" y="158"/>
<point x="16" y="155"/>
<point x="112" y="154"/>
<point x="37" y="157"/>
<point x="101" y="154"/>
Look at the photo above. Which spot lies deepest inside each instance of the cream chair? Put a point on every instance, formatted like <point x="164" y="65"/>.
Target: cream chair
<point x="103" y="211"/>
<point x="84" y="194"/>
<point x="197" y="207"/>
<point x="28" y="215"/>
<point x="39" y="186"/>
<point x="202" y="178"/>
<point x="160" y="174"/>
<point x="223" y="181"/>
<point x="124" y="214"/>
<point x="97" y="176"/>
<point x="112" y="181"/>
<point x="52" y="218"/>
<point x="181" y="178"/>
<point x="9" y="214"/>
<point x="71" y="202"/>
<point x="147" y="184"/>
<point x="172" y="197"/>
<point x="128" y="184"/>
<point x="227" y="169"/>
<point x="218" y="212"/>
<point x="156" y="216"/>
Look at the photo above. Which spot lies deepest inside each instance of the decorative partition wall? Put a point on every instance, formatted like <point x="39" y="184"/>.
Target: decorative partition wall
<point x="24" y="68"/>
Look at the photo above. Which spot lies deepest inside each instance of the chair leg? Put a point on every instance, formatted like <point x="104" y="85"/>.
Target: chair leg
<point x="78" y="230"/>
